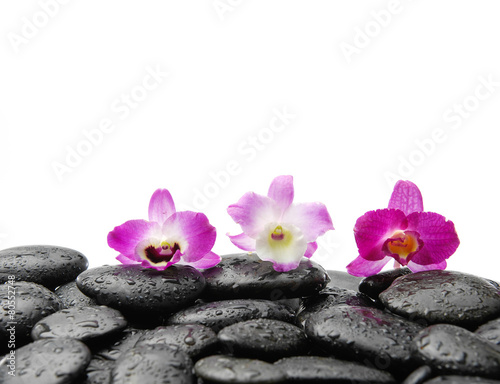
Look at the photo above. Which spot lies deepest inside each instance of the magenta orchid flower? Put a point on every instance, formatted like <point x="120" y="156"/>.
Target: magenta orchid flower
<point x="169" y="237"/>
<point x="404" y="232"/>
<point x="277" y="229"/>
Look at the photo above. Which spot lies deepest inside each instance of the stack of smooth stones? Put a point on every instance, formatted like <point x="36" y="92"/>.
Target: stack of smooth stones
<point x="240" y="322"/>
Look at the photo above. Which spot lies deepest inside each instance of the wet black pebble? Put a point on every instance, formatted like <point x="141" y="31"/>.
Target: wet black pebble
<point x="315" y="369"/>
<point x="98" y="371"/>
<point x="461" y="380"/>
<point x="340" y="279"/>
<point x="47" y="265"/>
<point x="81" y="323"/>
<point x="51" y="361"/>
<point x="329" y="297"/>
<point x="376" y="284"/>
<point x="71" y="296"/>
<point x="449" y="349"/>
<point x="419" y="375"/>
<point x="139" y="290"/>
<point x="246" y="276"/>
<point x="490" y="331"/>
<point x="220" y="314"/>
<point x="443" y="297"/>
<point x="153" y="364"/>
<point x="226" y="369"/>
<point x="264" y="339"/>
<point x="374" y="337"/>
<point x="193" y="339"/>
<point x="32" y="302"/>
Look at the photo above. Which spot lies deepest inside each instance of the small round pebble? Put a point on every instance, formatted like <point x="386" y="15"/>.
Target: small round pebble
<point x="193" y="339"/>
<point x="47" y="265"/>
<point x="315" y="369"/>
<point x="367" y="334"/>
<point x="71" y="296"/>
<point x="33" y="302"/>
<point x="51" y="361"/>
<point x="151" y="364"/>
<point x="374" y="285"/>
<point x="443" y="297"/>
<point x="81" y="323"/>
<point x="220" y="314"/>
<point x="226" y="369"/>
<point x="490" y="331"/>
<point x="133" y="288"/>
<point x="265" y="339"/>
<point x="246" y="276"/>
<point x="449" y="349"/>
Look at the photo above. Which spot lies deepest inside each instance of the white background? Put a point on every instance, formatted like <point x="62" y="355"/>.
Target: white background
<point x="368" y="82"/>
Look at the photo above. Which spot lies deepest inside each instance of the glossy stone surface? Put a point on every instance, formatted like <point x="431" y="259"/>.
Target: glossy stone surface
<point x="264" y="339"/>
<point x="246" y="276"/>
<point x="46" y="265"/>
<point x="341" y="279"/>
<point x="135" y="289"/>
<point x="193" y="339"/>
<point x="490" y="331"/>
<point x="315" y="369"/>
<point x="450" y="349"/>
<point x="419" y="375"/>
<point x="443" y="297"/>
<point x="51" y="361"/>
<point x="366" y="334"/>
<point x="33" y="302"/>
<point x="71" y="296"/>
<point x="81" y="323"/>
<point x="226" y="369"/>
<point x="220" y="314"/>
<point x="153" y="364"/>
<point x="461" y="380"/>
<point x="376" y="284"/>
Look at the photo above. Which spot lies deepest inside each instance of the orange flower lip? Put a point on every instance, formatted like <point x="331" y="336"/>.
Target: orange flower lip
<point x="403" y="244"/>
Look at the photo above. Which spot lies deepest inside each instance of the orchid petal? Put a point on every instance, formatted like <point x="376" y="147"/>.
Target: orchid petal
<point x="363" y="267"/>
<point x="209" y="260"/>
<point x="374" y="228"/>
<point x="281" y="191"/>
<point x="253" y="211"/>
<point x="125" y="237"/>
<point x="243" y="241"/>
<point x="126" y="261"/>
<point x="192" y="231"/>
<point x="406" y="197"/>
<point x="284" y="254"/>
<point x="161" y="206"/>
<point x="311" y="248"/>
<point x="313" y="219"/>
<point x="439" y="237"/>
<point x="429" y="267"/>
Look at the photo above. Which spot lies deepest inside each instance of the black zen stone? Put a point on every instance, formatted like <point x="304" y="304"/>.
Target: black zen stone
<point x="226" y="369"/>
<point x="51" y="361"/>
<point x="98" y="371"/>
<point x="329" y="297"/>
<point x="220" y="314"/>
<point x="265" y="339"/>
<point x="122" y="342"/>
<point x="449" y="349"/>
<point x="139" y="290"/>
<point x="341" y="279"/>
<point x="246" y="276"/>
<point x="376" y="284"/>
<point x="33" y="302"/>
<point x="419" y="375"/>
<point x="315" y="369"/>
<point x="374" y="337"/>
<point x="71" y="296"/>
<point x="193" y="339"/>
<point x="461" y="380"/>
<point x="81" y="323"/>
<point x="153" y="364"/>
<point x="443" y="297"/>
<point x="47" y="265"/>
<point x="490" y="331"/>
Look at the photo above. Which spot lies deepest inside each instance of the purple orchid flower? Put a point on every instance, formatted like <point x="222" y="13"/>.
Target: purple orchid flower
<point x="420" y="240"/>
<point x="278" y="230"/>
<point x="169" y="237"/>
